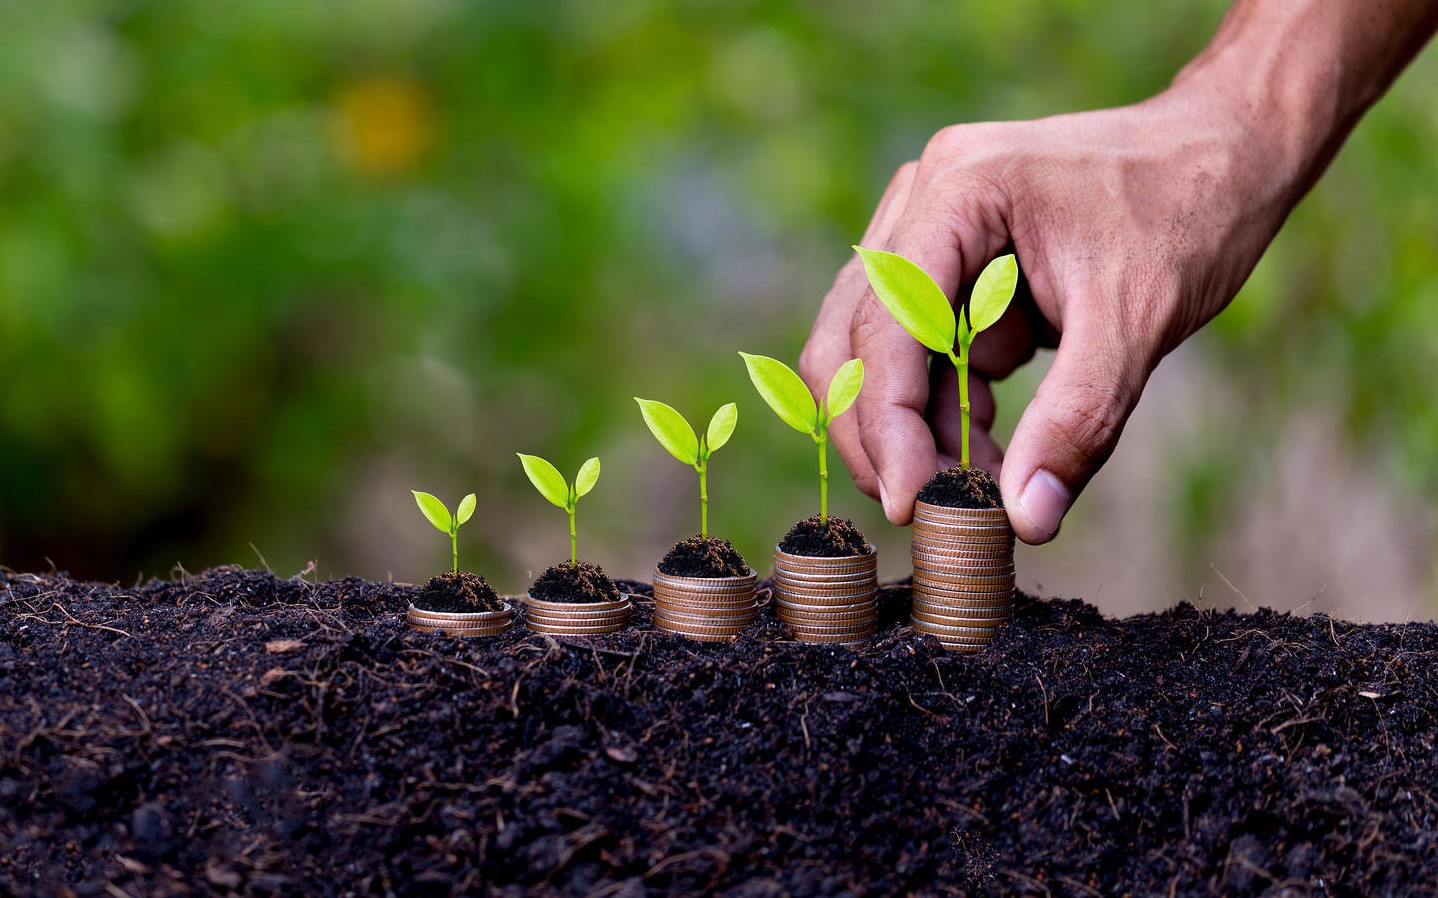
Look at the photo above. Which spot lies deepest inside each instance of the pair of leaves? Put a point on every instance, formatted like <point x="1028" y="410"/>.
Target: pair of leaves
<point x="789" y="396"/>
<point x="438" y="514"/>
<point x="552" y="485"/>
<point x="919" y="304"/>
<point x="674" y="433"/>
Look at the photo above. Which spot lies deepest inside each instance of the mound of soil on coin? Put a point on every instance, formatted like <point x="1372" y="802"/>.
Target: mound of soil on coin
<point x="235" y="733"/>
<point x="962" y="488"/>
<point x="462" y="592"/>
<point x="578" y="582"/>
<point x="839" y="538"/>
<point x="699" y="556"/>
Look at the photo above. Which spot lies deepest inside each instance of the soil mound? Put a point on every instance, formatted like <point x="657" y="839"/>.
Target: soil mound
<point x="837" y="539"/>
<point x="463" y="592"/>
<point x="579" y="582"/>
<point x="698" y="556"/>
<point x="962" y="488"/>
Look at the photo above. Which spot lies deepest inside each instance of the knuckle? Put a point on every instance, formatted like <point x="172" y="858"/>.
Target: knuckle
<point x="1091" y="420"/>
<point x="871" y="319"/>
<point x="811" y="364"/>
<point x="946" y="143"/>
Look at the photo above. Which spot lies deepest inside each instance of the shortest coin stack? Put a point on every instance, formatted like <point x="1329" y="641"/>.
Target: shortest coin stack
<point x="828" y="599"/>
<point x="963" y="574"/>
<point x="456" y="623"/>
<point x="576" y="618"/>
<point x="709" y="609"/>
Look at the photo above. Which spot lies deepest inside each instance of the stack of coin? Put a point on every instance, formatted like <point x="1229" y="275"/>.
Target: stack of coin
<point x="828" y="599"/>
<point x="709" y="609"/>
<point x="576" y="618"/>
<point x="963" y="574"/>
<point x="457" y="623"/>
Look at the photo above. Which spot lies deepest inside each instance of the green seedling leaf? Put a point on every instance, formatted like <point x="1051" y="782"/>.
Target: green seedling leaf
<point x="784" y="391"/>
<point x="912" y="297"/>
<point x="546" y="478"/>
<point x="721" y="426"/>
<point x="434" y="510"/>
<point x="844" y="388"/>
<point x="992" y="292"/>
<point x="466" y="510"/>
<point x="671" y="430"/>
<point x="588" y="476"/>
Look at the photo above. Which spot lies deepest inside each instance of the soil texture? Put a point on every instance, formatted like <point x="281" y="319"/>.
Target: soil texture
<point x="463" y="592"/>
<point x="235" y="733"/>
<point x="576" y="582"/>
<point x="839" y="538"/>
<point x="700" y="556"/>
<point x="962" y="488"/>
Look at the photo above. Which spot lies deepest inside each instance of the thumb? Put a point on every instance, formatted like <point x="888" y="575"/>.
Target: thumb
<point x="1071" y="427"/>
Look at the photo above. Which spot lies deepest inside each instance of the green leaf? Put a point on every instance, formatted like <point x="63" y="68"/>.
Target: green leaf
<point x="588" y="476"/>
<point x="785" y="391"/>
<point x="844" y="388"/>
<point x="671" y="430"/>
<point x="912" y="297"/>
<point x="434" y="510"/>
<point x="992" y="292"/>
<point x="721" y="426"/>
<point x="466" y="510"/>
<point x="546" y="478"/>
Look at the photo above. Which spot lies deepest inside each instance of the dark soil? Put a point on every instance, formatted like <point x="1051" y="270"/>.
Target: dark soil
<point x="235" y="733"/>
<point x="578" y="582"/>
<point x="839" y="538"/>
<point x="962" y="488"/>
<point x="463" y="592"/>
<point x="698" y="556"/>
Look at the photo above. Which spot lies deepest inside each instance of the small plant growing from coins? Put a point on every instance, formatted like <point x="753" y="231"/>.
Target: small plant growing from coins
<point x="437" y="513"/>
<point x="455" y="591"/>
<point x="676" y="435"/>
<point x="789" y="397"/>
<point x="919" y="304"/>
<point x="552" y="486"/>
<point x="702" y="555"/>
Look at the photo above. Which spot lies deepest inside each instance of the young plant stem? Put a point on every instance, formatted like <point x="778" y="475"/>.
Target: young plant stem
<point x="454" y="545"/>
<point x="823" y="441"/>
<point x="961" y="363"/>
<point x="703" y="501"/>
<point x="573" y="540"/>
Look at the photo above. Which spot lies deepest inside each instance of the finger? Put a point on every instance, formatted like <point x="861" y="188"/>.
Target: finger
<point x="829" y="347"/>
<point x="1072" y="425"/>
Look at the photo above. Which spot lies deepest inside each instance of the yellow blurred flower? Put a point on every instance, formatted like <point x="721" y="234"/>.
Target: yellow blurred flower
<point x="384" y="124"/>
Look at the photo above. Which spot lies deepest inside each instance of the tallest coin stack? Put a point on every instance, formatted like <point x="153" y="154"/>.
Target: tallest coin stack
<point x="963" y="574"/>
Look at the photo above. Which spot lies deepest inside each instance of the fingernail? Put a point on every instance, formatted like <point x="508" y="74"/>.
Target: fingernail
<point x="1044" y="502"/>
<point x="884" y="497"/>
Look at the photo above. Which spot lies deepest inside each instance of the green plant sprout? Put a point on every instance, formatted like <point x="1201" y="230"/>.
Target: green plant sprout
<point x="675" y="434"/>
<point x="789" y="397"/>
<point x="552" y="486"/>
<point x="438" y="515"/>
<point x="919" y="304"/>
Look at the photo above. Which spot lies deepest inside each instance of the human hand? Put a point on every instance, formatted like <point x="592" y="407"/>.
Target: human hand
<point x="1133" y="227"/>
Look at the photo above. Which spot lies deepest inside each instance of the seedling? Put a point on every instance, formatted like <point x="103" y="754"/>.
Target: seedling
<point x="674" y="433"/>
<point x="791" y="400"/>
<point x="920" y="305"/>
<point x="438" y="515"/>
<point x="552" y="486"/>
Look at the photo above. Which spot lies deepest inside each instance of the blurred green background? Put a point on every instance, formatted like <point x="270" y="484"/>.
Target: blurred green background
<point x="266" y="266"/>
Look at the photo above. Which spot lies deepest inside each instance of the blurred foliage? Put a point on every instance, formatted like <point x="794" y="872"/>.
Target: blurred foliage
<point x="266" y="265"/>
